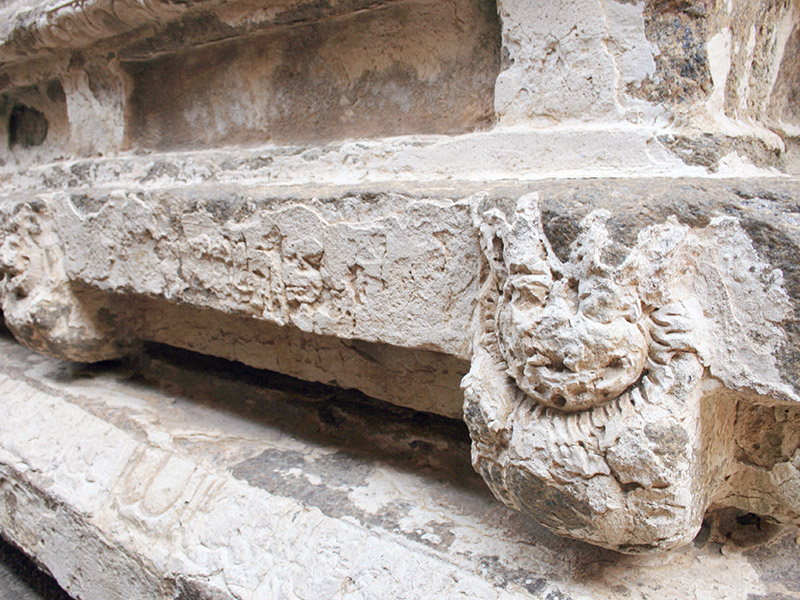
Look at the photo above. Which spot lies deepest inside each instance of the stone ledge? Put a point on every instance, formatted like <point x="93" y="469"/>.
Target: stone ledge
<point x="622" y="354"/>
<point x="171" y="492"/>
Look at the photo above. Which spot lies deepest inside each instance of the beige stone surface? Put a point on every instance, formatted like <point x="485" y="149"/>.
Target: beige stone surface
<point x="194" y="479"/>
<point x="691" y="88"/>
<point x="346" y="192"/>
<point x="600" y="396"/>
<point x="608" y="367"/>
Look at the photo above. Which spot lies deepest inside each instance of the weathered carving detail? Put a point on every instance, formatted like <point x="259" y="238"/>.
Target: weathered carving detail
<point x="596" y="344"/>
<point x="63" y="24"/>
<point x="299" y="289"/>
<point x="587" y="396"/>
<point x="614" y="395"/>
<point x="39" y="304"/>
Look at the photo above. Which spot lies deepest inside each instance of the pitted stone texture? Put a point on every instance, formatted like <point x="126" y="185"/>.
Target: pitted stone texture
<point x="39" y="304"/>
<point x="200" y="249"/>
<point x="380" y="269"/>
<point x="311" y="491"/>
<point x="566" y="60"/>
<point x="723" y="59"/>
<point x="600" y="397"/>
<point x="268" y="280"/>
<point x="345" y="292"/>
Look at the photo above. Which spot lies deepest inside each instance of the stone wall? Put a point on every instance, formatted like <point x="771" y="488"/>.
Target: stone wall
<point x="588" y="210"/>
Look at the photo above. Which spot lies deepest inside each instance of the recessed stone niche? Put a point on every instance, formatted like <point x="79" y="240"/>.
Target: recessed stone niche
<point x="33" y="122"/>
<point x="27" y="127"/>
<point x="402" y="68"/>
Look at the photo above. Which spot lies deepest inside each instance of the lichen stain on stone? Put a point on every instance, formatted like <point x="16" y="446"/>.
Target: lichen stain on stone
<point x="679" y="29"/>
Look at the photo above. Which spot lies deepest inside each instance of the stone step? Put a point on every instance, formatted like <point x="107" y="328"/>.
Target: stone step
<point x="175" y="476"/>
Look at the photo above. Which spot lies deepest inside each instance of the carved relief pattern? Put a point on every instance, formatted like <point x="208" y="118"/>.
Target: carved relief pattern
<point x="39" y="305"/>
<point x="597" y="342"/>
<point x="79" y="21"/>
<point x="585" y="399"/>
<point x="610" y="396"/>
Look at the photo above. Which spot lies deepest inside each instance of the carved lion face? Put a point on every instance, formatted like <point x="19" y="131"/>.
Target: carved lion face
<point x="571" y="333"/>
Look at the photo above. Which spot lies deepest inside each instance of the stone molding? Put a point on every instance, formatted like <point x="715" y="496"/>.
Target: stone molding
<point x="609" y="389"/>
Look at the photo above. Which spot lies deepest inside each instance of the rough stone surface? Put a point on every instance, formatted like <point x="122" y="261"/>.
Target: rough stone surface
<point x="548" y="219"/>
<point x="20" y="579"/>
<point x="196" y="479"/>
<point x="577" y="75"/>
<point x="594" y="396"/>
<point x="600" y="397"/>
<point x="421" y="67"/>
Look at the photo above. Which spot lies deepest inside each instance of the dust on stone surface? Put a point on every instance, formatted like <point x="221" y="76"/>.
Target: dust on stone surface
<point x="512" y="551"/>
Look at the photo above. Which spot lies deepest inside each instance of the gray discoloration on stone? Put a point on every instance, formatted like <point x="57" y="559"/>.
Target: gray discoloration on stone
<point x="680" y="31"/>
<point x="708" y="150"/>
<point x="192" y="589"/>
<point x="20" y="579"/>
<point x="781" y="570"/>
<point x="586" y="397"/>
<point x="218" y="418"/>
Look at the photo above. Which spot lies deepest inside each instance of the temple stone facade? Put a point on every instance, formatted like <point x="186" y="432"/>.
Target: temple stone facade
<point x="573" y="224"/>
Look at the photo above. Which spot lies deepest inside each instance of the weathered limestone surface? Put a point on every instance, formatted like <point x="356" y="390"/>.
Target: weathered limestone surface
<point x="549" y="228"/>
<point x="622" y="394"/>
<point x="196" y="479"/>
<point x="547" y="88"/>
<point x="601" y="385"/>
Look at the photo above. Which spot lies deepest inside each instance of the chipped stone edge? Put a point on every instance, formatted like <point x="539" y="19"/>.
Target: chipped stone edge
<point x="113" y="516"/>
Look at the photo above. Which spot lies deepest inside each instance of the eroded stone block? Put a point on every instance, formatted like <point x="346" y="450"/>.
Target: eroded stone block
<point x="289" y="487"/>
<point x="219" y="177"/>
<point x="604" y="388"/>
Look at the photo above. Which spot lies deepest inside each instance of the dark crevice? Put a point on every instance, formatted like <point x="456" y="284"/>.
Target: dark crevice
<point x="21" y="579"/>
<point x="27" y="127"/>
<point x="357" y="424"/>
<point x="630" y="487"/>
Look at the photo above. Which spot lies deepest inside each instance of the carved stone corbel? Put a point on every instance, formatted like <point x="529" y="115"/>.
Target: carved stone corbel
<point x="40" y="305"/>
<point x="601" y="397"/>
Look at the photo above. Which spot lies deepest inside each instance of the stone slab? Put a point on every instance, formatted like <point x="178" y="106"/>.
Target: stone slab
<point x="330" y="283"/>
<point x="632" y="345"/>
<point x="193" y="478"/>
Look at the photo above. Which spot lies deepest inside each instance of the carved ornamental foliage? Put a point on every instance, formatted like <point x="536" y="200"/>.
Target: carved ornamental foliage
<point x="601" y="396"/>
<point x="615" y="395"/>
<point x="40" y="305"/>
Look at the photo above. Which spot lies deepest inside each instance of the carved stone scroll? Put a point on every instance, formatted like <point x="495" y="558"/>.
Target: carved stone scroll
<point x="601" y="398"/>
